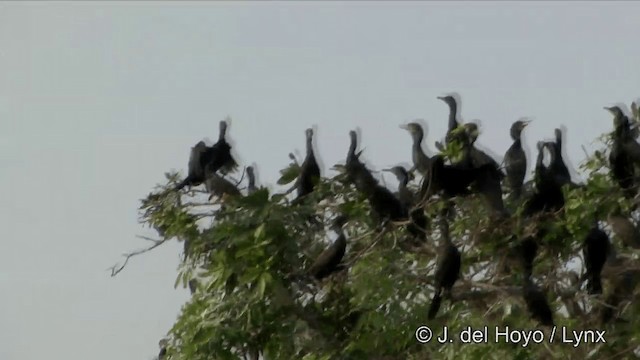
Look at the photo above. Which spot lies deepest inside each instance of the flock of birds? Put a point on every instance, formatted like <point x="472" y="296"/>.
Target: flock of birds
<point x="472" y="172"/>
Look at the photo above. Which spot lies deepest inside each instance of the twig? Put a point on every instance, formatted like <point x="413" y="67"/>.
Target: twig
<point x="115" y="269"/>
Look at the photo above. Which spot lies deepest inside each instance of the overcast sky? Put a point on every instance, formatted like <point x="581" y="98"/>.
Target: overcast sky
<point x="98" y="100"/>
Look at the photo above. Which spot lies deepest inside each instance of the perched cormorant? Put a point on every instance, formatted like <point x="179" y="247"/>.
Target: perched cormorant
<point x="203" y="158"/>
<point x="421" y="161"/>
<point x="528" y="249"/>
<point x="477" y="156"/>
<point x="515" y="160"/>
<point x="447" y="272"/>
<point x="595" y="251"/>
<point x="357" y="172"/>
<point x="309" y="171"/>
<point x="218" y="186"/>
<point x="548" y="195"/>
<point x="453" y="113"/>
<point x="557" y="166"/>
<point x="330" y="259"/>
<point x="251" y="187"/>
<point x="537" y="303"/>
<point x="625" y="152"/>
<point x="408" y="199"/>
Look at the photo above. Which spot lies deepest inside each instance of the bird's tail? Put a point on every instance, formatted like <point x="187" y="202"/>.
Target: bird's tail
<point x="594" y="284"/>
<point x="435" y="305"/>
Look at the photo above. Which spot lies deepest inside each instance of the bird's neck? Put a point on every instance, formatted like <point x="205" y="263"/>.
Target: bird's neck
<point x="453" y="112"/>
<point x="309" y="146"/>
<point x="417" y="140"/>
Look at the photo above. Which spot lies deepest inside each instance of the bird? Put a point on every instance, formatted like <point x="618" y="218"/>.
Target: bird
<point x="595" y="250"/>
<point x="447" y="271"/>
<point x="557" y="166"/>
<point x="453" y="113"/>
<point x="421" y="162"/>
<point x="330" y="259"/>
<point x="357" y="172"/>
<point x="515" y="159"/>
<point x="214" y="158"/>
<point x="625" y="152"/>
<point x="528" y="249"/>
<point x="251" y="187"/>
<point x="416" y="213"/>
<point x="537" y="303"/>
<point x="218" y="186"/>
<point x="547" y="195"/>
<point x="476" y="156"/>
<point x="309" y="170"/>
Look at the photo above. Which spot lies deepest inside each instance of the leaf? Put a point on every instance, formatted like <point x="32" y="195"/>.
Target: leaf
<point x="263" y="281"/>
<point x="289" y="174"/>
<point x="259" y="232"/>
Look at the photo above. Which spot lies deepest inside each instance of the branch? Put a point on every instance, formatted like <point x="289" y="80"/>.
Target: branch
<point x="115" y="269"/>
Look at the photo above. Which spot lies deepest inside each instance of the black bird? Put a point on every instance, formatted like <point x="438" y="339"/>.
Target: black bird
<point x="528" y="249"/>
<point x="218" y="186"/>
<point x="453" y="113"/>
<point x="557" y="166"/>
<point x="357" y="172"/>
<point x="515" y="160"/>
<point x="537" y="303"/>
<point x="330" y="259"/>
<point x="457" y="180"/>
<point x="477" y="156"/>
<point x="202" y="157"/>
<point x="625" y="152"/>
<point x="251" y="187"/>
<point x="595" y="251"/>
<point x="421" y="161"/>
<point x="163" y="349"/>
<point x="309" y="171"/>
<point x="408" y="199"/>
<point x="548" y="195"/>
<point x="447" y="272"/>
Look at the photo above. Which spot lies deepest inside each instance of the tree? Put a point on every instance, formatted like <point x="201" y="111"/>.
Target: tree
<point x="251" y="255"/>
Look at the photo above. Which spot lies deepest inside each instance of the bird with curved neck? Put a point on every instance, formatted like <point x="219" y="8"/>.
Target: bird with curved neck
<point x="453" y="113"/>
<point x="421" y="161"/>
<point x="357" y="172"/>
<point x="309" y="171"/>
<point x="220" y="157"/>
<point x="548" y="195"/>
<point x="515" y="159"/>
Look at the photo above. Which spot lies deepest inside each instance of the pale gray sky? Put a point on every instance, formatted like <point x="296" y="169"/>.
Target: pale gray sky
<point x="98" y="100"/>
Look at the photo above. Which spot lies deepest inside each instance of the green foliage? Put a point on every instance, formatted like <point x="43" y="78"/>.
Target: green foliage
<point x="251" y="258"/>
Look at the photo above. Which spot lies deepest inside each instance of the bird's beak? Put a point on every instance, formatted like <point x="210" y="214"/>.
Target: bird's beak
<point x="441" y="98"/>
<point x="525" y="123"/>
<point x="610" y="109"/>
<point x="387" y="170"/>
<point x="404" y="126"/>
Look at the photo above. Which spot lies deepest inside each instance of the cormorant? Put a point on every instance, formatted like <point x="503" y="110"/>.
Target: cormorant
<point x="625" y="152"/>
<point x="595" y="250"/>
<point x="251" y="187"/>
<point x="537" y="303"/>
<point x="515" y="160"/>
<point x="557" y="166"/>
<point x="477" y="156"/>
<point x="421" y="161"/>
<point x="453" y="113"/>
<point x="548" y="195"/>
<point x="447" y="272"/>
<point x="528" y="248"/>
<point x="309" y="171"/>
<point x="202" y="157"/>
<point x="330" y="259"/>
<point x="218" y="186"/>
<point x="357" y="172"/>
<point x="408" y="199"/>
